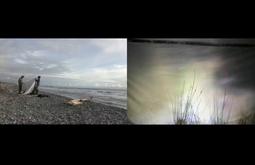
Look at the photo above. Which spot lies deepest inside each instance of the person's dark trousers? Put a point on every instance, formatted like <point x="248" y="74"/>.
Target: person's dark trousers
<point x="20" y="88"/>
<point x="35" y="91"/>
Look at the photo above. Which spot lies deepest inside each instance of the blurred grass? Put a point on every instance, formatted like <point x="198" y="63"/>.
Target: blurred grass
<point x="220" y="114"/>
<point x="247" y="119"/>
<point x="183" y="109"/>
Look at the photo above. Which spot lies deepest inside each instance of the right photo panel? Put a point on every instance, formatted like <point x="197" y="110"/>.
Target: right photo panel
<point x="191" y="81"/>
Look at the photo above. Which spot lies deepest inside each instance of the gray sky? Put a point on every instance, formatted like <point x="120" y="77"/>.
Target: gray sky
<point x="65" y="62"/>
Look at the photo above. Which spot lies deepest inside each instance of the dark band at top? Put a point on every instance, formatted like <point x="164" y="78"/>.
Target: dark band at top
<point x="198" y="43"/>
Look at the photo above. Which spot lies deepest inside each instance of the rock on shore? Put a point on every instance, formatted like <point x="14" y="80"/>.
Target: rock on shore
<point x="30" y="109"/>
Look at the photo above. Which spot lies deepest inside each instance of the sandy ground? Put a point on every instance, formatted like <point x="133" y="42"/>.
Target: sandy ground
<point x="30" y="109"/>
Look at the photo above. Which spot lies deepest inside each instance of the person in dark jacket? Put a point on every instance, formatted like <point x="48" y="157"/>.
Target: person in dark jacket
<point x="20" y="83"/>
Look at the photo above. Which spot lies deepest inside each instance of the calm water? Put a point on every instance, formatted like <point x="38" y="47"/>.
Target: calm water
<point x="113" y="97"/>
<point x="162" y="76"/>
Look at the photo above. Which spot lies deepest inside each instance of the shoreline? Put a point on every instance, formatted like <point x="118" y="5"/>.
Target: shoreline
<point x="30" y="109"/>
<point x="69" y="97"/>
<point x="109" y="100"/>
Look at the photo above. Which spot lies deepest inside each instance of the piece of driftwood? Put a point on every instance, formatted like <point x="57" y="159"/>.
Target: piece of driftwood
<point x="76" y="101"/>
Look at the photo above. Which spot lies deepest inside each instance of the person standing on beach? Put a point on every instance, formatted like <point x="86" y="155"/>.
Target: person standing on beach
<point x="37" y="83"/>
<point x="20" y="83"/>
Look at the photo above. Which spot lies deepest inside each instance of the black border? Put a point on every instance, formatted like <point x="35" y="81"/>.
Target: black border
<point x="140" y="136"/>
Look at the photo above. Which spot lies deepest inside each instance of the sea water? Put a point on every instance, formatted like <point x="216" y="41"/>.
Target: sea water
<point x="112" y="97"/>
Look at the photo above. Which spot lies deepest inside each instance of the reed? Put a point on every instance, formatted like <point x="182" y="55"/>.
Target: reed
<point x="184" y="111"/>
<point x="220" y="114"/>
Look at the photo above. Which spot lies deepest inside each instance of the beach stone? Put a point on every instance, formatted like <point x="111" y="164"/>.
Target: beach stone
<point x="27" y="109"/>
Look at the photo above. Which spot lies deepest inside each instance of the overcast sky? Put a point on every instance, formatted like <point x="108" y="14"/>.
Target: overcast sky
<point x="66" y="62"/>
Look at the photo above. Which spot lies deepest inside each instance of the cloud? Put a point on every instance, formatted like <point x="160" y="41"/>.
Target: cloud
<point x="36" y="53"/>
<point x="111" y="47"/>
<point x="20" y="61"/>
<point x="77" y="61"/>
<point x="112" y="76"/>
<point x="51" y="66"/>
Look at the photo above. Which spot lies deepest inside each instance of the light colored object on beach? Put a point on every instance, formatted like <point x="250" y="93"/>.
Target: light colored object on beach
<point x="30" y="90"/>
<point x="27" y="84"/>
<point x="76" y="101"/>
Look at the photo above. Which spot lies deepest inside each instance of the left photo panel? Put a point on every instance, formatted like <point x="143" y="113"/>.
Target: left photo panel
<point x="63" y="81"/>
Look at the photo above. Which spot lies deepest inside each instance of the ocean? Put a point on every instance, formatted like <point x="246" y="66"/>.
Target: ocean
<point x="112" y="97"/>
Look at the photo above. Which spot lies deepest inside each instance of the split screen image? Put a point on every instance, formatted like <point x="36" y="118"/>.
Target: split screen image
<point x="127" y="81"/>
